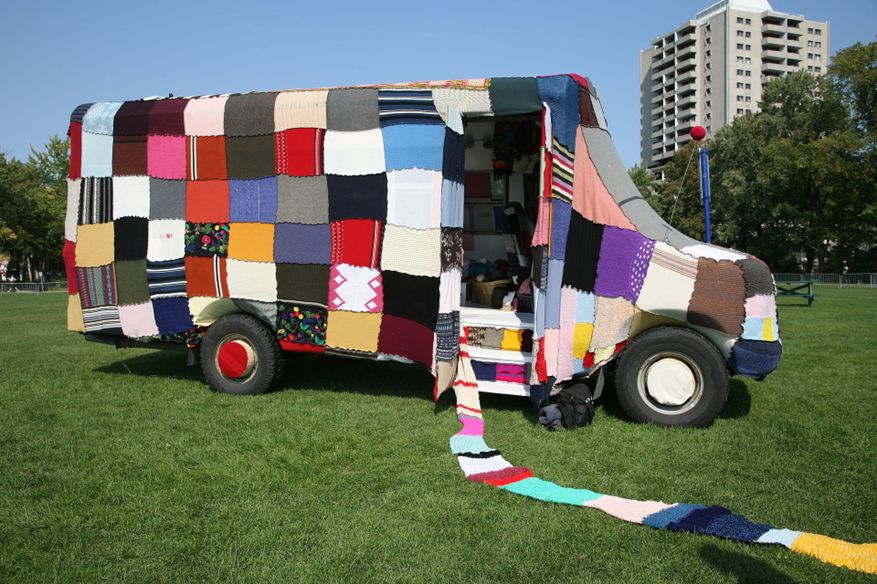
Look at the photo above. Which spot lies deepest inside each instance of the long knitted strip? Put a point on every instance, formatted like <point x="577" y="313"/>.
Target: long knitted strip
<point x="482" y="464"/>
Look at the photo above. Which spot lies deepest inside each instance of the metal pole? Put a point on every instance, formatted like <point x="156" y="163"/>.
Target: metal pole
<point x="705" y="190"/>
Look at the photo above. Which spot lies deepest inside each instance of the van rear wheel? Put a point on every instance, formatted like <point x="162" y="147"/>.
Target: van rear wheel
<point x="672" y="376"/>
<point x="239" y="355"/>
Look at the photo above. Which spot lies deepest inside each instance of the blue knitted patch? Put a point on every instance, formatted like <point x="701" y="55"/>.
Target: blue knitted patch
<point x="661" y="519"/>
<point x="548" y="491"/>
<point x="461" y="444"/>
<point x="736" y="527"/>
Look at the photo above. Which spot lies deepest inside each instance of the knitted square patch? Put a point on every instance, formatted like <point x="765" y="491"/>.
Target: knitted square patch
<point x="250" y="114"/>
<point x="132" y="285"/>
<point x="167" y="199"/>
<point x="207" y="201"/>
<point x="103" y="319"/>
<point x="624" y="259"/>
<point x="356" y="331"/>
<point x="166" y="117"/>
<point x="302" y="244"/>
<point x="355" y="289"/>
<point x="583" y="244"/>
<point x="204" y="116"/>
<point x="172" y="315"/>
<point x="206" y="239"/>
<point x="129" y="155"/>
<point x="131" y="238"/>
<point x="131" y="196"/>
<point x="97" y="286"/>
<point x="166" y="156"/>
<point x="95" y="244"/>
<point x="206" y="158"/>
<point x="95" y="201"/>
<point x="302" y="199"/>
<point x="253" y="201"/>
<point x="414" y="146"/>
<point x="166" y="279"/>
<point x="138" y="320"/>
<point x="251" y="241"/>
<point x="303" y="283"/>
<point x="406" y="338"/>
<point x="302" y="323"/>
<point x="250" y="157"/>
<point x="356" y="242"/>
<point x="414" y="198"/>
<point x="299" y="151"/>
<point x="407" y="106"/>
<point x="206" y="276"/>
<point x="166" y="240"/>
<point x="354" y="153"/>
<point x="300" y="109"/>
<point x="411" y="297"/>
<point x="352" y="110"/>
<point x="252" y="280"/>
<point x="357" y="197"/>
<point x="412" y="251"/>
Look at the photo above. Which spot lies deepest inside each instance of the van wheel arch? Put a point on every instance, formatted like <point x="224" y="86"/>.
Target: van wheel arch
<point x="240" y="355"/>
<point x="672" y="376"/>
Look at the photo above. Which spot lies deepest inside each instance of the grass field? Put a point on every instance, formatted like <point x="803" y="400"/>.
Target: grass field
<point x="345" y="475"/>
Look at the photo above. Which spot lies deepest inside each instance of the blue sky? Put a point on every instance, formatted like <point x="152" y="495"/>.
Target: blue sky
<point x="57" y="55"/>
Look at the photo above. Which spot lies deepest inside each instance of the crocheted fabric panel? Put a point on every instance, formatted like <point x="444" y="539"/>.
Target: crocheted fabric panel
<point x="482" y="464"/>
<point x="277" y="196"/>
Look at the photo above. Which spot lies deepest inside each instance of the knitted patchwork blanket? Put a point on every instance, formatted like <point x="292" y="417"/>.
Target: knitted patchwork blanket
<point x="482" y="464"/>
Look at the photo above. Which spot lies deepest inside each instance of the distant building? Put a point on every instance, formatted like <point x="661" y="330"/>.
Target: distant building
<point x="711" y="69"/>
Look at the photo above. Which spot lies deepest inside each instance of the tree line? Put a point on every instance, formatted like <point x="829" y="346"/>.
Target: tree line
<point x="33" y="201"/>
<point x="798" y="176"/>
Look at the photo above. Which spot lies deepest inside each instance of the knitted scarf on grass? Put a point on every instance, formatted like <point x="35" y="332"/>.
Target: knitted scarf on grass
<point x="482" y="464"/>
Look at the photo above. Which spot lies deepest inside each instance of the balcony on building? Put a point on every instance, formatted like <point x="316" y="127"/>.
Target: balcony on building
<point x="772" y="69"/>
<point x="773" y="55"/>
<point x="772" y="29"/>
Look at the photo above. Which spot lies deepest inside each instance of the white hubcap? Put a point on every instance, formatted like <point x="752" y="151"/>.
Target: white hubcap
<point x="670" y="382"/>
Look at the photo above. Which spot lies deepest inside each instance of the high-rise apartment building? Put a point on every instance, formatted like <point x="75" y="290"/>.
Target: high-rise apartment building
<point x="711" y="69"/>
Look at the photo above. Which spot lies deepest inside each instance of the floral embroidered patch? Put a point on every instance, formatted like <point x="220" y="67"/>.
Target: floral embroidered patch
<point x="206" y="239"/>
<point x="301" y="323"/>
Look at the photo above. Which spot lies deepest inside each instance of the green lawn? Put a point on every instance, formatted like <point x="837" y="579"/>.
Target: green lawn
<point x="345" y="475"/>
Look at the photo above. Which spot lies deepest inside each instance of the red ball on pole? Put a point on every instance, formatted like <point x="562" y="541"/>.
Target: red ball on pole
<point x="698" y="133"/>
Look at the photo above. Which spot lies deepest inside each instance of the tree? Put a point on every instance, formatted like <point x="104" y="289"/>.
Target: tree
<point x="32" y="208"/>
<point x="678" y="199"/>
<point x="791" y="176"/>
<point x="644" y="180"/>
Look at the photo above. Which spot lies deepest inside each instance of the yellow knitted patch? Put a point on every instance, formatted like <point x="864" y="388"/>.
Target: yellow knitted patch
<point x="767" y="333"/>
<point x="511" y="340"/>
<point x="859" y="557"/>
<point x="582" y="339"/>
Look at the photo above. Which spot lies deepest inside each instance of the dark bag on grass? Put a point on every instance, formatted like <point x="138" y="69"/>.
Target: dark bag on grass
<point x="576" y="406"/>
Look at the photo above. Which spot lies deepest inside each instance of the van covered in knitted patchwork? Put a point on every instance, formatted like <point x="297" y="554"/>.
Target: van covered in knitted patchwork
<point x="346" y="220"/>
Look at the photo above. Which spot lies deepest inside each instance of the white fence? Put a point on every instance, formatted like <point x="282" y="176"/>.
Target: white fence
<point x="839" y="280"/>
<point x="32" y="287"/>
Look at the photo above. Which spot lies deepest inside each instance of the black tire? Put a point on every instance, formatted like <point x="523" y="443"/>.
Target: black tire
<point x="653" y="383"/>
<point x="265" y="363"/>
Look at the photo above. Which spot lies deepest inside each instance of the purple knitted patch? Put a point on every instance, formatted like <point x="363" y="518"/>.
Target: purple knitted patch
<point x="624" y="259"/>
<point x="302" y="244"/>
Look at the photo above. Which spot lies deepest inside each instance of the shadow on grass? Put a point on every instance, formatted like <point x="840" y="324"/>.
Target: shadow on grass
<point x="151" y="364"/>
<point x="745" y="569"/>
<point x="738" y="405"/>
<point x="383" y="378"/>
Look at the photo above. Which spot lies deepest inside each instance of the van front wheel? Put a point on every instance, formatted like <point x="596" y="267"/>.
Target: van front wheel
<point x="672" y="376"/>
<point x="239" y="355"/>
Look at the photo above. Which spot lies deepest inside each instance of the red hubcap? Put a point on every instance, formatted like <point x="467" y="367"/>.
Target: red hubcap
<point x="236" y="359"/>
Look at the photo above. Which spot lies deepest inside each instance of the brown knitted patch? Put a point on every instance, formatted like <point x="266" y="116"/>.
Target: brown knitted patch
<point x="719" y="296"/>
